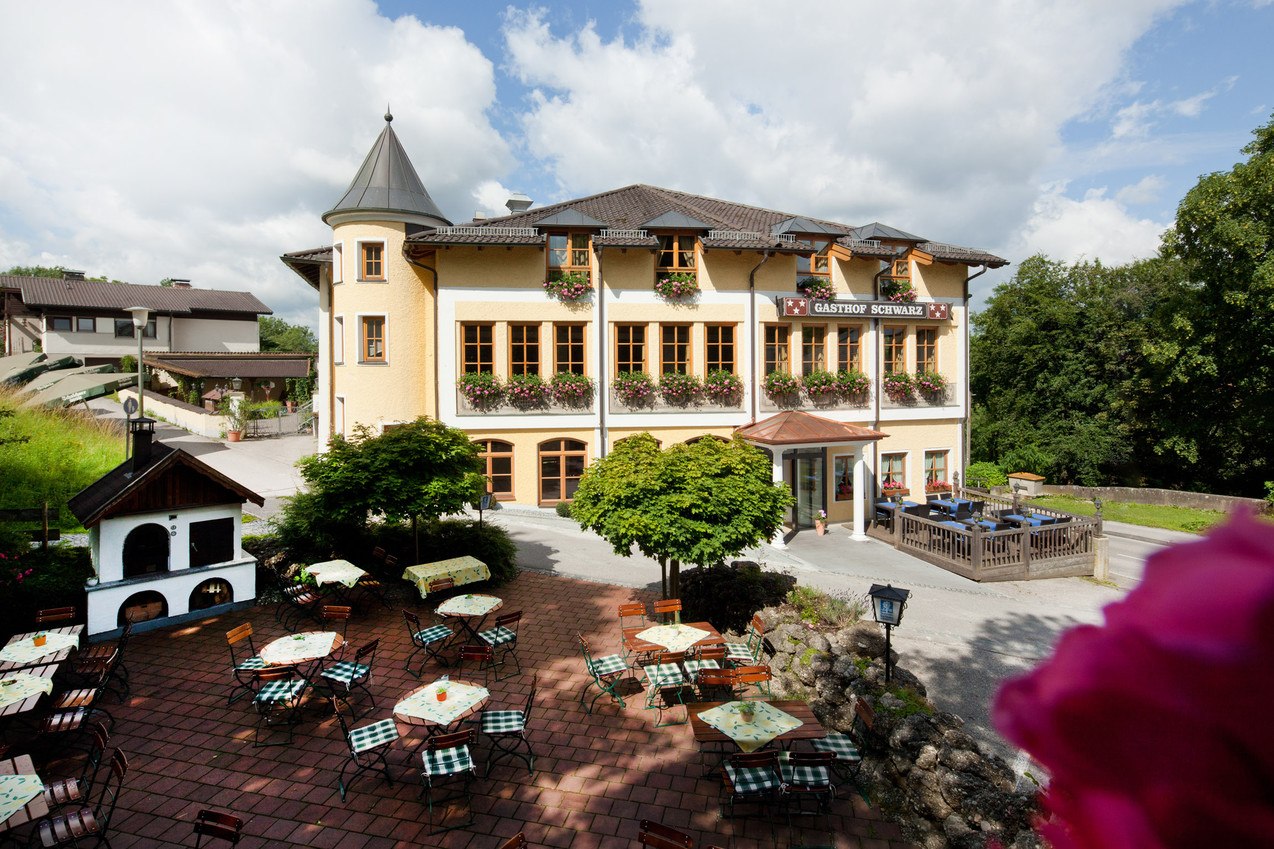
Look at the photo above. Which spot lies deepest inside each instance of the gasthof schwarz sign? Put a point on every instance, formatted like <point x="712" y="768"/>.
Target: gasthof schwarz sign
<point x="837" y="308"/>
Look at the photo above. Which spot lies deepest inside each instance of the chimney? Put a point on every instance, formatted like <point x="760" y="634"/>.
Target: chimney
<point x="72" y="274"/>
<point x="179" y="283"/>
<point x="518" y="203"/>
<point x="142" y="431"/>
<point x="479" y="216"/>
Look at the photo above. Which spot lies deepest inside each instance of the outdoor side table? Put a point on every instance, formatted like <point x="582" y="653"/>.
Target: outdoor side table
<point x="461" y="570"/>
<point x="22" y="653"/>
<point x="21" y="793"/>
<point x="471" y="611"/>
<point x="421" y="707"/>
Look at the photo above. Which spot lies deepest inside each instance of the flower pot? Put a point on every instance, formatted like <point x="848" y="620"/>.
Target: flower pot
<point x="820" y="527"/>
<point x="234" y="435"/>
<point x="747" y="715"/>
<point x="40" y="639"/>
<point x="442" y="695"/>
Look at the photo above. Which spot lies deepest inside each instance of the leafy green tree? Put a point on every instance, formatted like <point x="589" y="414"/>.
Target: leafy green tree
<point x="278" y="335"/>
<point x="699" y="503"/>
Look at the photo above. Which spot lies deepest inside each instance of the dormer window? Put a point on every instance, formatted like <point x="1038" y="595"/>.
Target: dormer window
<point x="676" y="253"/>
<point x="568" y="253"/>
<point x="817" y="264"/>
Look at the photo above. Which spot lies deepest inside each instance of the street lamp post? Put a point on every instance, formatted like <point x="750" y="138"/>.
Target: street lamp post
<point x="140" y="316"/>
<point x="887" y="604"/>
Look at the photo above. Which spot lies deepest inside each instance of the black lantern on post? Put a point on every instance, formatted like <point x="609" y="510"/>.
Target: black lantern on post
<point x="887" y="604"/>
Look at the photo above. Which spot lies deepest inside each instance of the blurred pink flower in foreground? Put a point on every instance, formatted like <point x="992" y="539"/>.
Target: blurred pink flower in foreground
<point x="1155" y="727"/>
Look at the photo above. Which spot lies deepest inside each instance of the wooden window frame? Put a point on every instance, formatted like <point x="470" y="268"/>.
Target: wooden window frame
<point x="893" y="332"/>
<point x="676" y="252"/>
<point x="767" y="346"/>
<point x="818" y="263"/>
<point x="628" y="364"/>
<point x="809" y="365"/>
<point x="558" y="344"/>
<point x="562" y="453"/>
<point x="478" y="347"/>
<point x="571" y="265"/>
<point x="364" y="339"/>
<point x="714" y="360"/>
<point x="522" y="359"/>
<point x="889" y="476"/>
<point x="92" y="322"/>
<point x="932" y="471"/>
<point x="70" y="324"/>
<point x="124" y="329"/>
<point x="365" y="262"/>
<point x="686" y="367"/>
<point x="926" y="351"/>
<point x="849" y="350"/>
<point x="487" y="455"/>
<point x="338" y="340"/>
<point x="843" y="482"/>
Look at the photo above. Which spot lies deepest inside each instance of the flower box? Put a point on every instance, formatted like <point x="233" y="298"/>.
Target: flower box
<point x="568" y="287"/>
<point x="723" y="387"/>
<point x="679" y="390"/>
<point x="571" y="390"/>
<point x="818" y="288"/>
<point x="482" y="390"/>
<point x="634" y="388"/>
<point x="677" y="285"/>
<point x="780" y="384"/>
<point x="527" y="391"/>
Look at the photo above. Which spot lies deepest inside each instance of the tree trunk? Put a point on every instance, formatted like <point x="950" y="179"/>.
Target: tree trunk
<point x="415" y="535"/>
<point x="663" y="577"/>
<point x="674" y="580"/>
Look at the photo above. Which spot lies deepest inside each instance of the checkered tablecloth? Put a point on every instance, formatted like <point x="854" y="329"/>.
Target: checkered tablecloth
<point x="336" y="572"/>
<point x="769" y="723"/>
<point x="17" y="686"/>
<point x="423" y="704"/>
<point x="462" y="570"/>
<point x="16" y="791"/>
<point x="469" y="605"/>
<point x="673" y="637"/>
<point x="25" y="650"/>
<point x="299" y="648"/>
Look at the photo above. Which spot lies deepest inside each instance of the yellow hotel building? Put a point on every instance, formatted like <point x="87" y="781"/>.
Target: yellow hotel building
<point x="551" y="333"/>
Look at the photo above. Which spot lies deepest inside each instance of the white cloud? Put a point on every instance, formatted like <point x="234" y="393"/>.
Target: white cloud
<point x="1094" y="228"/>
<point x="203" y="140"/>
<point x="1145" y="190"/>
<point x="1137" y="119"/>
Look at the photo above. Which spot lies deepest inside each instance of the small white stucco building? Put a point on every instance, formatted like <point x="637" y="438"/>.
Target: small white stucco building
<point x="165" y="531"/>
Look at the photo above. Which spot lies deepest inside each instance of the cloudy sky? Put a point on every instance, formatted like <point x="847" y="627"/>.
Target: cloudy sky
<point x="144" y="140"/>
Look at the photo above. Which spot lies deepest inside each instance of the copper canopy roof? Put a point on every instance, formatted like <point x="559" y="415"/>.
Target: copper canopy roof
<point x="794" y="427"/>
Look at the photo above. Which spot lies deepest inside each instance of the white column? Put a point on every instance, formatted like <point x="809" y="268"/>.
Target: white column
<point x="860" y="533"/>
<point x="777" y="473"/>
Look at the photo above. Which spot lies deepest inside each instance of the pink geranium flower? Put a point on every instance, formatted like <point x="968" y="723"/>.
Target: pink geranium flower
<point x="1151" y="726"/>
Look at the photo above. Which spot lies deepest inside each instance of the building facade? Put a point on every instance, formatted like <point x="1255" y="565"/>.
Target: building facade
<point x="552" y="333"/>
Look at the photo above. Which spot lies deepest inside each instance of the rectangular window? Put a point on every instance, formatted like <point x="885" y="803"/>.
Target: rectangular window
<point x="813" y="349"/>
<point x="373" y="261"/>
<point x="498" y="457"/>
<point x="630" y="347"/>
<point x="568" y="348"/>
<point x="776" y="352"/>
<point x="372" y="345"/>
<point x="843" y="465"/>
<point x="568" y="252"/>
<point x="338" y="340"/>
<point x="893" y="469"/>
<point x="895" y="349"/>
<point x="124" y="329"/>
<point x="524" y="349"/>
<point x="85" y="325"/>
<point x="477" y="348"/>
<point x="338" y="259"/>
<point x="927" y="349"/>
<point x="676" y="253"/>
<point x="849" y="354"/>
<point x="817" y="263"/>
<point x="901" y="269"/>
<point x="675" y="348"/>
<point x="60" y="323"/>
<point x="720" y="347"/>
<point x="935" y="467"/>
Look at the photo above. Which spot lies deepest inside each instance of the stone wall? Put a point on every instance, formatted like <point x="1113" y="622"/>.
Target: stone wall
<point x="918" y="765"/>
<point x="1163" y="497"/>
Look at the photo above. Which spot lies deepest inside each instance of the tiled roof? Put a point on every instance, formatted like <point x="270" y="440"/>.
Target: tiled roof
<point x="95" y="294"/>
<point x="308" y="264"/>
<point x="795" y="427"/>
<point x="246" y="365"/>
<point x="955" y="253"/>
<point x="387" y="182"/>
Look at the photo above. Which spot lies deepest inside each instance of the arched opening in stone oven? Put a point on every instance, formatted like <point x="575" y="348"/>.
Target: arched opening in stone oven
<point x="142" y="607"/>
<point x="146" y="550"/>
<point x="210" y="593"/>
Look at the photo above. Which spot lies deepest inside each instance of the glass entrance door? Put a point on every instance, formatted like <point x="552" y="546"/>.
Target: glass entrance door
<point x="810" y="488"/>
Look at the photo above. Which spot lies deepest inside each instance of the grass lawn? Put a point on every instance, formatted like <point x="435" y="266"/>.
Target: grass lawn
<point x="1147" y="515"/>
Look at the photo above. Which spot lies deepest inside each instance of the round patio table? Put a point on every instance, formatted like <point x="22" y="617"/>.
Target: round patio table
<point x="421" y="707"/>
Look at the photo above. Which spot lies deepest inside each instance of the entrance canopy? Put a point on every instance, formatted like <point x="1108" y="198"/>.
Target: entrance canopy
<point x="796" y="427"/>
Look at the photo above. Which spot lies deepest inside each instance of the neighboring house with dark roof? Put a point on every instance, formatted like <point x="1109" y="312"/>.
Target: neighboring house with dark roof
<point x="414" y="312"/>
<point x="89" y="320"/>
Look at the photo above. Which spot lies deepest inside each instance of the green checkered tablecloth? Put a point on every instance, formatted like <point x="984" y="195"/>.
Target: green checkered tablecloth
<point x="17" y="686"/>
<point x="299" y="648"/>
<point x="424" y="704"/>
<point x="673" y="637"/>
<point x="462" y="570"/>
<point x="16" y="791"/>
<point x="469" y="605"/>
<point x="769" y="723"/>
<point x="26" y="650"/>
<point x="336" y="572"/>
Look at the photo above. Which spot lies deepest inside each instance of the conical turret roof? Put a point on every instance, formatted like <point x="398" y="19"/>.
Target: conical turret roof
<point x="387" y="182"/>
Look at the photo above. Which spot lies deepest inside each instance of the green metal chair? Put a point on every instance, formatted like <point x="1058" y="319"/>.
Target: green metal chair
<point x="606" y="671"/>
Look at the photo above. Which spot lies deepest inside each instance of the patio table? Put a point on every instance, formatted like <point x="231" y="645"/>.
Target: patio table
<point x="336" y="572"/>
<point x="674" y="638"/>
<point x="461" y="570"/>
<point x="21" y="690"/>
<point x="471" y="611"/>
<point x="986" y="523"/>
<point x="21" y="793"/>
<point x="769" y="723"/>
<point x="951" y="505"/>
<point x="1033" y="521"/>
<point x="638" y="640"/>
<point x="303" y="648"/>
<point x="421" y="706"/>
<point x="21" y="651"/>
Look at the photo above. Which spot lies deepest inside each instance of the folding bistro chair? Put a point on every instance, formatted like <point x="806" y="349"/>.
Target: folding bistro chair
<point x="504" y="638"/>
<point x="343" y="677"/>
<point x="660" y="836"/>
<point x="607" y="671"/>
<point x="482" y="655"/>
<point x="51" y="615"/>
<point x="745" y="676"/>
<point x="447" y="759"/>
<point x="368" y="746"/>
<point x="807" y="776"/>
<point x="632" y="617"/>
<point x="506" y="729"/>
<point x="704" y="659"/>
<point x="438" y="588"/>
<point x="431" y="640"/>
<point x="86" y="823"/>
<point x="751" y="777"/>
<point x="108" y="652"/>
<point x="61" y="792"/>
<point x="244" y="669"/>
<point x="279" y="693"/>
<point x="336" y="616"/>
<point x="664" y="682"/>
<point x="217" y="826"/>
<point x="299" y="602"/>
<point x="848" y="759"/>
<point x="668" y="610"/>
<point x="752" y="649"/>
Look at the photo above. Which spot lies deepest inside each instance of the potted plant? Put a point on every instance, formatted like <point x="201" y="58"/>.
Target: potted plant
<point x="853" y="385"/>
<point x="822" y="386"/>
<point x="892" y="488"/>
<point x="930" y="384"/>
<point x="938" y="486"/>
<point x="898" y="386"/>
<point x="818" y="288"/>
<point x="820" y="522"/>
<point x="481" y="389"/>
<point x="570" y="389"/>
<point x="568" y="286"/>
<point x="442" y="692"/>
<point x="780" y="385"/>
<point x="236" y="415"/>
<point x="634" y="388"/>
<point x="40" y="639"/>
<point x="527" y="391"/>
<point x="747" y="711"/>
<point x="679" y="390"/>
<point x="897" y="289"/>
<point x="677" y="285"/>
<point x="723" y="387"/>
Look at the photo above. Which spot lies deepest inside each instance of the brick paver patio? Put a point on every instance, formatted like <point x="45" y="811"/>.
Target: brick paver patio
<point x="596" y="776"/>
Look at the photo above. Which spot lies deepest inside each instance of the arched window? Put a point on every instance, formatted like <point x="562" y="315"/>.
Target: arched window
<point x="142" y="607"/>
<point x="562" y="462"/>
<point x="498" y="457"/>
<point x="146" y="550"/>
<point x="210" y="593"/>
